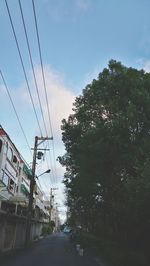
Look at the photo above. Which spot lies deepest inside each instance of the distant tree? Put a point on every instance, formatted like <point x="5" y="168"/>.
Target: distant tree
<point x="107" y="160"/>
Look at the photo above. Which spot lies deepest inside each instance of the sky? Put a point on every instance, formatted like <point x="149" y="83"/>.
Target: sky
<point x="78" y="38"/>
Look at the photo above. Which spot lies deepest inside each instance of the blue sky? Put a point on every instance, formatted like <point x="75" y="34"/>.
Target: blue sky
<point x="78" y="38"/>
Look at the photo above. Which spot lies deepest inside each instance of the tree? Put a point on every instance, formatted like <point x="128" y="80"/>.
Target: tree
<point x="107" y="141"/>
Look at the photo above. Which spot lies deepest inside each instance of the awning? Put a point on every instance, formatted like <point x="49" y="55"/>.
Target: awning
<point x="24" y="190"/>
<point x="27" y="170"/>
<point x="19" y="199"/>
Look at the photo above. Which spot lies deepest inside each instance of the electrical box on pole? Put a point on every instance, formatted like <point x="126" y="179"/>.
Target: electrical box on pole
<point x="32" y="185"/>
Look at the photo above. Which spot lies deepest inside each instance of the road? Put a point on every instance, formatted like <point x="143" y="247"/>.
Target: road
<point x="54" y="250"/>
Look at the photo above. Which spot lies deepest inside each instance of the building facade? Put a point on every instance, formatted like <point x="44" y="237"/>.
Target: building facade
<point x="15" y="177"/>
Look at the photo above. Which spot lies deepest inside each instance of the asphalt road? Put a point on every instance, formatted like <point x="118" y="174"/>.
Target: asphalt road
<point x="54" y="250"/>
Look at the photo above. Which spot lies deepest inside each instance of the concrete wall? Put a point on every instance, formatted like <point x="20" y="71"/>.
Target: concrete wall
<point x="12" y="231"/>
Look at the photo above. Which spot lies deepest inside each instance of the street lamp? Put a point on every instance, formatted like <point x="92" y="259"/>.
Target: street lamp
<point x="32" y="184"/>
<point x="46" y="172"/>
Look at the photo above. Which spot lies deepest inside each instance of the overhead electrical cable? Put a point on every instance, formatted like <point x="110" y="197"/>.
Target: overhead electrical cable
<point x="23" y="67"/>
<point x="43" y="181"/>
<point x="30" y="55"/>
<point x="48" y="167"/>
<point x="34" y="75"/>
<point x="44" y="82"/>
<point x="41" y="61"/>
<point x="32" y="65"/>
<point x="54" y="158"/>
<point x="52" y="168"/>
<point x="17" y="44"/>
<point x="25" y="162"/>
<point x="9" y="95"/>
<point x="21" y="59"/>
<point x="40" y="186"/>
<point x="21" y="155"/>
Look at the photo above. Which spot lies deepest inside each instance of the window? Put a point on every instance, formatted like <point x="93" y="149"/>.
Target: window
<point x="11" y="185"/>
<point x="10" y="154"/>
<point x="15" y="162"/>
<point x="5" y="147"/>
<point x="1" y="144"/>
<point x="19" y="170"/>
<point x="5" y="179"/>
<point x="18" y="164"/>
<point x="14" y="159"/>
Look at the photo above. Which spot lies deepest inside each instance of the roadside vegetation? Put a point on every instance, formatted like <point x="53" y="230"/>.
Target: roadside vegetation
<point x="111" y="251"/>
<point x="107" y="160"/>
<point x="46" y="230"/>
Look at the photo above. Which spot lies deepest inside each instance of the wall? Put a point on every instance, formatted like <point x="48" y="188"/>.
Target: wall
<point x="12" y="231"/>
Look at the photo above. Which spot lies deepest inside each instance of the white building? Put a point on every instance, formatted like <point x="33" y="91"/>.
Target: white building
<point x="10" y="167"/>
<point x="15" y="182"/>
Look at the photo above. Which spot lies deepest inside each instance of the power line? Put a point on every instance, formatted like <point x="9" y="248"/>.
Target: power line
<point x="23" y="67"/>
<point x="44" y="183"/>
<point x="48" y="167"/>
<point x="29" y="147"/>
<point x="30" y="55"/>
<point x="44" y="81"/>
<point x="51" y="166"/>
<point x="23" y="158"/>
<point x="31" y="61"/>
<point x="19" y="51"/>
<point x="40" y="186"/>
<point x="6" y="87"/>
<point x="41" y="61"/>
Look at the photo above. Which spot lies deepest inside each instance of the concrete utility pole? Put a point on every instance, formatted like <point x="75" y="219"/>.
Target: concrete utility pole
<point x="50" y="205"/>
<point x="32" y="185"/>
<point x="51" y="197"/>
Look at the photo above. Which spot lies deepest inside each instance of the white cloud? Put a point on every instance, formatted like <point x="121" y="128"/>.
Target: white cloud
<point x="60" y="99"/>
<point x="146" y="66"/>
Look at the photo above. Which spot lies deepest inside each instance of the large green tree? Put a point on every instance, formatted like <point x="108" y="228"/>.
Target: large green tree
<point x="107" y="160"/>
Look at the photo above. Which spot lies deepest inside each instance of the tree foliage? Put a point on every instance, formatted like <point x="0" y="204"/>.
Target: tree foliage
<point x="107" y="160"/>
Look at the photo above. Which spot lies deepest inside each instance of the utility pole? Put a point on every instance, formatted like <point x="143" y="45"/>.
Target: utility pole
<point x="32" y="185"/>
<point x="50" y="205"/>
<point x="51" y="197"/>
<point x="56" y="218"/>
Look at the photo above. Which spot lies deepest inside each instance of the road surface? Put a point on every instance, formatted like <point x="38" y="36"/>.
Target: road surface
<point x="54" y="250"/>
